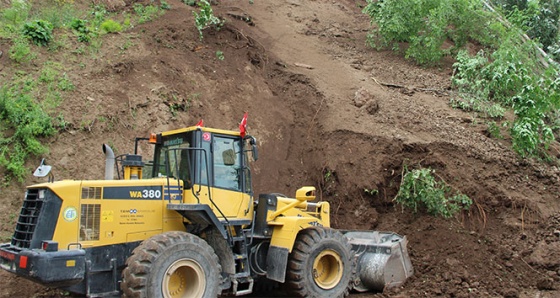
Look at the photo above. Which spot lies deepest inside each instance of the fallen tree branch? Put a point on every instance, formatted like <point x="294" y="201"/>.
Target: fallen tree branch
<point x="411" y="89"/>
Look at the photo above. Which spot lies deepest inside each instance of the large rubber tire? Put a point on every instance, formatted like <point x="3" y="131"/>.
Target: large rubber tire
<point x="172" y="264"/>
<point x="321" y="264"/>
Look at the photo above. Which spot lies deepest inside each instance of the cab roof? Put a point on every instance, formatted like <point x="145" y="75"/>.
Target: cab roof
<point x="206" y="129"/>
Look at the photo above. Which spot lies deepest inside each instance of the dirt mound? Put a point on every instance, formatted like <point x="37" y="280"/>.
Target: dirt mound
<point x="330" y="112"/>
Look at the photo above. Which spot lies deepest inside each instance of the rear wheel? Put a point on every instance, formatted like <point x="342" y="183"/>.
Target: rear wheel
<point x="321" y="264"/>
<point x="172" y="264"/>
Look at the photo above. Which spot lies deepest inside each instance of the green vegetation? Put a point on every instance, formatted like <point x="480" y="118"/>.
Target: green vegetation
<point x="220" y="55"/>
<point x="205" y="18"/>
<point x="20" y="51"/>
<point x="147" y="13"/>
<point x="82" y="31"/>
<point x="189" y="2"/>
<point x="420" y="190"/>
<point x="40" y="32"/>
<point x="110" y="26"/>
<point x="21" y="113"/>
<point x="165" y="5"/>
<point x="425" y="25"/>
<point x="12" y="18"/>
<point x="538" y="18"/>
<point x="29" y="101"/>
<point x="508" y="73"/>
<point x="25" y="120"/>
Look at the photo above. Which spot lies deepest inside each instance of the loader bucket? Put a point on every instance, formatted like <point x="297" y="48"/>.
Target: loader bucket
<point x="382" y="259"/>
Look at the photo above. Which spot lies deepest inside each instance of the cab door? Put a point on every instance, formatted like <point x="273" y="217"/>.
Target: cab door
<point x="227" y="191"/>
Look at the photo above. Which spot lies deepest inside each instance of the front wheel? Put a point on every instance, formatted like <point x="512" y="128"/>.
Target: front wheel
<point x="172" y="264"/>
<point x="321" y="264"/>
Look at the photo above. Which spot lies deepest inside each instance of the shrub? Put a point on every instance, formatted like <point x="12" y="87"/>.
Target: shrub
<point x="81" y="29"/>
<point x="147" y="13"/>
<point x="189" y="2"/>
<point x="420" y="190"/>
<point x="20" y="51"/>
<point x="165" y="5"/>
<point x="512" y="78"/>
<point x="205" y="18"/>
<point x="111" y="26"/>
<point x="39" y="31"/>
<point x="20" y="113"/>
<point x="58" y="14"/>
<point x="13" y="17"/>
<point x="425" y="25"/>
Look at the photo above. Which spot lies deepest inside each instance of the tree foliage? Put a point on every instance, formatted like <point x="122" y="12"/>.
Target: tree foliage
<point x="507" y="72"/>
<point x="425" y="25"/>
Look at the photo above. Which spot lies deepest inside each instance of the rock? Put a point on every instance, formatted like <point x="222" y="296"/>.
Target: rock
<point x="545" y="283"/>
<point x="361" y="97"/>
<point x="356" y="66"/>
<point x="510" y="293"/>
<point x="367" y="68"/>
<point x="64" y="161"/>
<point x="546" y="255"/>
<point x="372" y="107"/>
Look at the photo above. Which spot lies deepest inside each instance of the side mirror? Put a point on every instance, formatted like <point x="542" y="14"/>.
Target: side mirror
<point x="43" y="170"/>
<point x="254" y="151"/>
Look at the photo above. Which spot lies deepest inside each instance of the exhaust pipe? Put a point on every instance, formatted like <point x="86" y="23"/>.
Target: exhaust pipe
<point x="109" y="162"/>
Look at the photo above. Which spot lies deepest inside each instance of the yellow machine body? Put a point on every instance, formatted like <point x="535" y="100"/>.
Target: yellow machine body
<point x="78" y="235"/>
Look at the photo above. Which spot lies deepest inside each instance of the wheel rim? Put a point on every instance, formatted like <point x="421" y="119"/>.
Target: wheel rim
<point x="327" y="269"/>
<point x="184" y="278"/>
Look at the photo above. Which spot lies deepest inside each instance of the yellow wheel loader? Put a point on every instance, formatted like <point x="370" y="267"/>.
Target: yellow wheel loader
<point x="186" y="224"/>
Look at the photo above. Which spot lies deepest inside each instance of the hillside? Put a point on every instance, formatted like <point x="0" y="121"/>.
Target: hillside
<point x="327" y="111"/>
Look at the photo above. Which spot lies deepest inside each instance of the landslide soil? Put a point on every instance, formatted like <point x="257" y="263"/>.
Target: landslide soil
<point x="327" y="111"/>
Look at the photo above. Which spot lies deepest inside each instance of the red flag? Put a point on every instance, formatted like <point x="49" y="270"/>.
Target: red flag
<point x="200" y="123"/>
<point x="243" y="125"/>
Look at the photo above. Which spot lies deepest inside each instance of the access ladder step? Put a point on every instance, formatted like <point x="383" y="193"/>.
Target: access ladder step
<point x="246" y="291"/>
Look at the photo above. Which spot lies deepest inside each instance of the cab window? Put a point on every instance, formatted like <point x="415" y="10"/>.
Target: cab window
<point x="227" y="163"/>
<point x="173" y="160"/>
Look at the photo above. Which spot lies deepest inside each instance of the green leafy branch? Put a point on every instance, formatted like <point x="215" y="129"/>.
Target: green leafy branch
<point x="205" y="18"/>
<point x="421" y="190"/>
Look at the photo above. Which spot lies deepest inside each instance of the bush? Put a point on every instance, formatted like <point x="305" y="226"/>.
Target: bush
<point x="512" y="77"/>
<point x="420" y="190"/>
<point x="20" y="51"/>
<point x="20" y="113"/>
<point x="538" y="18"/>
<point x="40" y="32"/>
<point x="425" y="25"/>
<point x="81" y="29"/>
<point x="13" y="17"/>
<point x="205" y="18"/>
<point x="147" y="13"/>
<point x="111" y="26"/>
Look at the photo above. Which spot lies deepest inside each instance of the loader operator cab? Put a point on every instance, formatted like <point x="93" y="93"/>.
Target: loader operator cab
<point x="205" y="157"/>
